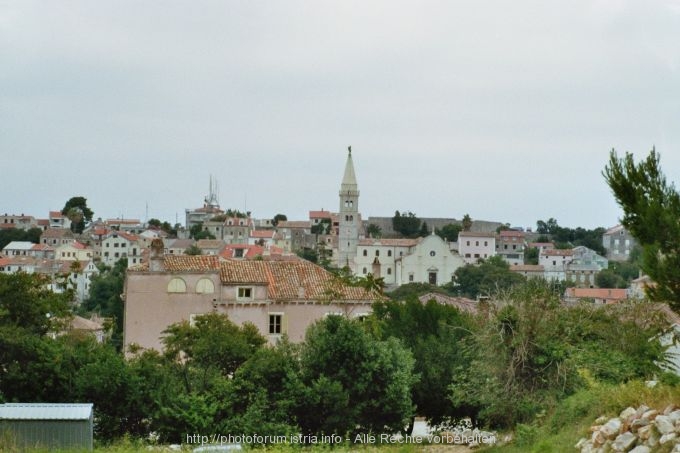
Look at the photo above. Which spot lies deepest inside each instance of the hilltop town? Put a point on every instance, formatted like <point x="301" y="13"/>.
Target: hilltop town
<point x="393" y="251"/>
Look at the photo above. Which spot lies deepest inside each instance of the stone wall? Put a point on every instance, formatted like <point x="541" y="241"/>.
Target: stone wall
<point x="641" y="430"/>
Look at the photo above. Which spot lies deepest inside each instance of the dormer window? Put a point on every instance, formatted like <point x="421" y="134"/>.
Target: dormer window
<point x="244" y="293"/>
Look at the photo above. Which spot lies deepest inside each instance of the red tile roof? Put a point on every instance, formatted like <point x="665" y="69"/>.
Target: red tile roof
<point x="319" y="214"/>
<point x="191" y="263"/>
<point x="461" y="303"/>
<point x="474" y="234"/>
<point x="56" y="215"/>
<point x="294" y="224"/>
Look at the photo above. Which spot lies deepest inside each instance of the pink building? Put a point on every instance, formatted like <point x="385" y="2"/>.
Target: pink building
<point x="278" y="297"/>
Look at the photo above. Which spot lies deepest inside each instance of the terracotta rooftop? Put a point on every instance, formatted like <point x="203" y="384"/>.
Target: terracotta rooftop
<point x="291" y="280"/>
<point x="57" y="233"/>
<point x="319" y="214"/>
<point x="210" y="244"/>
<point x="56" y="215"/>
<point x="191" y="263"/>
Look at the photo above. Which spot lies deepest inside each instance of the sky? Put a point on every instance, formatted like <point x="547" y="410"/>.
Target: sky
<point x="506" y="111"/>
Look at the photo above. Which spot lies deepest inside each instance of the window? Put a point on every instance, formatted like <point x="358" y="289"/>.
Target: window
<point x="476" y="255"/>
<point x="477" y="243"/>
<point x="389" y="253"/>
<point x="276" y="323"/>
<point x="365" y="252"/>
<point x="467" y="255"/>
<point x="389" y="271"/>
<point x="244" y="293"/>
<point x="377" y="253"/>
<point x="410" y="277"/>
<point x="177" y="285"/>
<point x="486" y="243"/>
<point x="467" y="242"/>
<point x="116" y="245"/>
<point x="205" y="286"/>
<point x="505" y="247"/>
<point x="364" y="271"/>
<point x="432" y="253"/>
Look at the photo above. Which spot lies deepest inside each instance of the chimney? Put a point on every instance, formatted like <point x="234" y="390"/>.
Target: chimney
<point x="156" y="258"/>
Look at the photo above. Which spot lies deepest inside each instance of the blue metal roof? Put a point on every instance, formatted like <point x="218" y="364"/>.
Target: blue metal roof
<point x="45" y="411"/>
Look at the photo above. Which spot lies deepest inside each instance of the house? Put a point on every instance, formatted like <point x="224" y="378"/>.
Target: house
<point x="597" y="295"/>
<point x="21" y="222"/>
<point x="18" y="248"/>
<point x="277" y="296"/>
<point x="638" y="287"/>
<point x="250" y="252"/>
<point x="211" y="246"/>
<point x="510" y="246"/>
<point x="72" y="274"/>
<point x="58" y="220"/>
<point x="473" y="246"/>
<point x="232" y="230"/>
<point x="541" y="246"/>
<point x="619" y="243"/>
<point x="584" y="266"/>
<point x="294" y="235"/>
<point x="529" y="270"/>
<point x="177" y="246"/>
<point x="554" y="262"/>
<point x="46" y="426"/>
<point x="119" y="244"/>
<point x="263" y="238"/>
<point x="134" y="226"/>
<point x="74" y="251"/>
<point x="56" y="236"/>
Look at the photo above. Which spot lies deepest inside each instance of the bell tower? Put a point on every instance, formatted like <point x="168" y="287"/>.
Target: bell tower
<point x="349" y="218"/>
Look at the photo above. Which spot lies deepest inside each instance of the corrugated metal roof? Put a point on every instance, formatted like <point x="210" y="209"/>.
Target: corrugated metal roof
<point x="44" y="411"/>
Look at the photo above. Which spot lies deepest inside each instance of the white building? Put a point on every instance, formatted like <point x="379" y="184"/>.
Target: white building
<point x="474" y="246"/>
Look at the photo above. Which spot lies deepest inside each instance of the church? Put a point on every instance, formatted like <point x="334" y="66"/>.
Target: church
<point x="427" y="259"/>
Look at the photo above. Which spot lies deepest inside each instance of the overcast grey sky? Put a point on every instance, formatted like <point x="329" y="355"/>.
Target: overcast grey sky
<point x="503" y="110"/>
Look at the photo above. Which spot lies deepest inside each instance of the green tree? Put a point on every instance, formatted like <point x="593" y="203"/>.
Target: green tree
<point x="78" y="212"/>
<point x="374" y="231"/>
<point x="193" y="250"/>
<point x="533" y="351"/>
<point x="16" y="234"/>
<point x="213" y="341"/>
<point x="467" y="222"/>
<point x="104" y="297"/>
<point x="531" y="255"/>
<point x="197" y="232"/>
<point x="406" y="223"/>
<point x="266" y="393"/>
<point x="433" y="332"/>
<point x="279" y="218"/>
<point x="486" y="278"/>
<point x="607" y="278"/>
<point x="651" y="212"/>
<point x="449" y="232"/>
<point x="356" y="383"/>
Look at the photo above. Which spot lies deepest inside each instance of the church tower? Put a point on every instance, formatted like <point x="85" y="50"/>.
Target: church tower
<point x="349" y="218"/>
